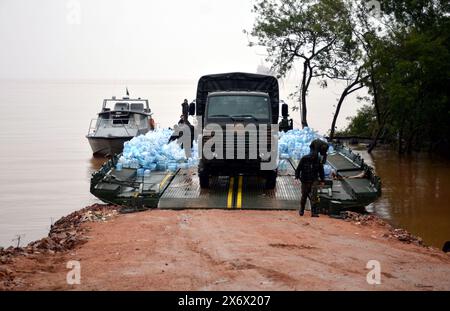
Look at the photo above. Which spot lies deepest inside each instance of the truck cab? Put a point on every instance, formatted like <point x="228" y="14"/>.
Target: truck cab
<point x="238" y="113"/>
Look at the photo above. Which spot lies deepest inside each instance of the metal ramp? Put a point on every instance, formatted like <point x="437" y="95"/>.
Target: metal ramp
<point x="285" y="196"/>
<point x="184" y="192"/>
<point x="234" y="192"/>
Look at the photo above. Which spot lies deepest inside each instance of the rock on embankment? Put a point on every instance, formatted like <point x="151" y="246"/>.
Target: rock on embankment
<point x="65" y="234"/>
<point x="394" y="233"/>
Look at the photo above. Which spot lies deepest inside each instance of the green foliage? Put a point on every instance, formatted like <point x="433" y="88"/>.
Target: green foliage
<point x="419" y="14"/>
<point x="413" y="73"/>
<point x="362" y="124"/>
<point x="318" y="33"/>
<point x="402" y="56"/>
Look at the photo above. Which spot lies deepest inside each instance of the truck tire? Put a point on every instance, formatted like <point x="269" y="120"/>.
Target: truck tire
<point x="271" y="181"/>
<point x="204" y="181"/>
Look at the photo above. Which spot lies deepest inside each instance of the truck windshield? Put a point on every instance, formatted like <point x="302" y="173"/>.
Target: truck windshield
<point x="239" y="106"/>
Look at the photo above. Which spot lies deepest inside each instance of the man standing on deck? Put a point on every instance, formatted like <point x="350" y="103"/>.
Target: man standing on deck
<point x="320" y="149"/>
<point x="309" y="171"/>
<point x="184" y="126"/>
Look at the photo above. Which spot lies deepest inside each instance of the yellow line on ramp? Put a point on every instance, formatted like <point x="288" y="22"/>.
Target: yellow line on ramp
<point x="239" y="194"/>
<point x="230" y="193"/>
<point x="163" y="182"/>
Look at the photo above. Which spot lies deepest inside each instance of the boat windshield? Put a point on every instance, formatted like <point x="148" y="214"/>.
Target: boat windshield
<point x="134" y="105"/>
<point x="121" y="107"/>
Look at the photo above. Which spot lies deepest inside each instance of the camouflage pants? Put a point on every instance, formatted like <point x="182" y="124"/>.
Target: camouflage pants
<point x="309" y="191"/>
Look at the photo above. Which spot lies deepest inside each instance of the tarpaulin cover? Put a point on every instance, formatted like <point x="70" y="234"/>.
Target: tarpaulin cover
<point x="238" y="81"/>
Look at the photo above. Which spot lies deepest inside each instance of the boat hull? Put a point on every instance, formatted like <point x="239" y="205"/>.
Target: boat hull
<point x="107" y="146"/>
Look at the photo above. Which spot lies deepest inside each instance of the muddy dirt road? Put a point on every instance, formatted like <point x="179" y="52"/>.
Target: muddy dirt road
<point x="234" y="250"/>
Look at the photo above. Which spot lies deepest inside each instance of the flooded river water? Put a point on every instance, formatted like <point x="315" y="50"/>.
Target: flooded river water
<point x="416" y="194"/>
<point x="46" y="162"/>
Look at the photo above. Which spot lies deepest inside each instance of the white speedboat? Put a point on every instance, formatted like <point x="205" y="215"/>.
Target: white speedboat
<point x="119" y="121"/>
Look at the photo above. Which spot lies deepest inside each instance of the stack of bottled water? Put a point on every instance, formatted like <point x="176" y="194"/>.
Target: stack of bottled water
<point x="152" y="152"/>
<point x="327" y="170"/>
<point x="295" y="144"/>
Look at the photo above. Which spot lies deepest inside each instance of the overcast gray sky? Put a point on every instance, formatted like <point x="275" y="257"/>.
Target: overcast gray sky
<point x="132" y="39"/>
<point x="124" y="40"/>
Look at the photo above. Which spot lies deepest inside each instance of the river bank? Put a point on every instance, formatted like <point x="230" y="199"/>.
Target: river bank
<point x="222" y="250"/>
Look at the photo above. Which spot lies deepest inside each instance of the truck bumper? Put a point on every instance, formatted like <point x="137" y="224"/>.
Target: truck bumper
<point x="232" y="167"/>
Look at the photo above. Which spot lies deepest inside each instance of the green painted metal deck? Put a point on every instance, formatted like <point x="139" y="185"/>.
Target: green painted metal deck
<point x="181" y="189"/>
<point x="342" y="163"/>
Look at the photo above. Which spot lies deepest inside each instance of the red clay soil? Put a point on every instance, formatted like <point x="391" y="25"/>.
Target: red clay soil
<point x="232" y="250"/>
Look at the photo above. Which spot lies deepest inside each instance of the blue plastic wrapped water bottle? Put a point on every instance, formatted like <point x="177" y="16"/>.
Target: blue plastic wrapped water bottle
<point x="140" y="172"/>
<point x="119" y="167"/>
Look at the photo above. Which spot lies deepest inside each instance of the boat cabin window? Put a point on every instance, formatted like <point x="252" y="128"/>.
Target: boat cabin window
<point x="137" y="107"/>
<point x="120" y="121"/>
<point x="121" y="107"/>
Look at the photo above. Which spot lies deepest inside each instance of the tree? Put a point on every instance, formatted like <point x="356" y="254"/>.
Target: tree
<point x="362" y="124"/>
<point x="368" y="22"/>
<point x="406" y="58"/>
<point x="418" y="14"/>
<point x="318" y="33"/>
<point x="356" y="84"/>
<point x="402" y="56"/>
<point x="412" y="70"/>
<point x="360" y="72"/>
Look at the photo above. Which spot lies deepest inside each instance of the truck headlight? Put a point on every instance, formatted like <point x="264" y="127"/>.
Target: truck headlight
<point x="265" y="156"/>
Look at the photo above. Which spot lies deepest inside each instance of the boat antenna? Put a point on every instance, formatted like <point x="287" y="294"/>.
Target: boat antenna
<point x="128" y="93"/>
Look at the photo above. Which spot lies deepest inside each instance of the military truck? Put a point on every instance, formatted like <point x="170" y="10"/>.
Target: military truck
<point x="238" y="100"/>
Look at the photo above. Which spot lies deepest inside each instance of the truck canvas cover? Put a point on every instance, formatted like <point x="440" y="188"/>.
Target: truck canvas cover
<point x="238" y="81"/>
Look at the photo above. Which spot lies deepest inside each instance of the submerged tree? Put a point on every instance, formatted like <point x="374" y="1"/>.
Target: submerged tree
<point x="409" y="67"/>
<point x="412" y="69"/>
<point x="316" y="33"/>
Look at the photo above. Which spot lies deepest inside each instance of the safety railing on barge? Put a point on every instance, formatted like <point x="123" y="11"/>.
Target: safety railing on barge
<point x="369" y="171"/>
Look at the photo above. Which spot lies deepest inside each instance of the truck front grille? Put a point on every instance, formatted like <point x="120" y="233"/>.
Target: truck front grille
<point x="244" y="144"/>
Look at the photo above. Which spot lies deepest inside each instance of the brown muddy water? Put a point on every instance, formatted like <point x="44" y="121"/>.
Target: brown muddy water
<point x="46" y="161"/>
<point x="416" y="194"/>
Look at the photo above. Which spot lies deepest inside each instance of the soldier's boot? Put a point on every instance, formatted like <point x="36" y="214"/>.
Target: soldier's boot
<point x="302" y="211"/>
<point x="314" y="212"/>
